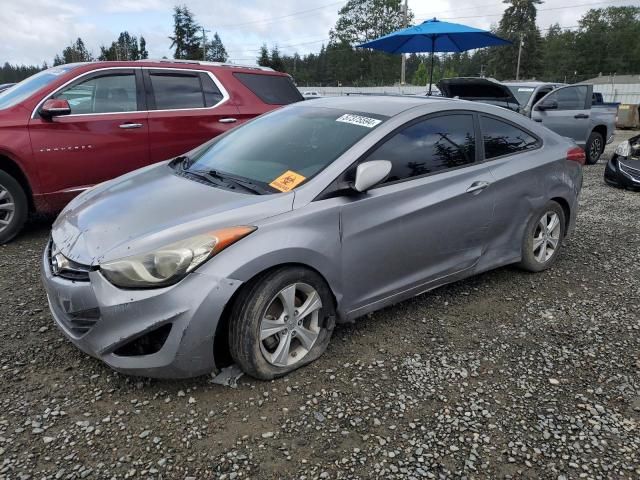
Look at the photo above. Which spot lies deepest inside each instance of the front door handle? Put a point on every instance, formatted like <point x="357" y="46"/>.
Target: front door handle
<point x="129" y="126"/>
<point x="581" y="115"/>
<point x="228" y="120"/>
<point x="478" y="186"/>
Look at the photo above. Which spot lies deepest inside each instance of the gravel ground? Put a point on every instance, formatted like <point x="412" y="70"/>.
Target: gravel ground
<point x="505" y="375"/>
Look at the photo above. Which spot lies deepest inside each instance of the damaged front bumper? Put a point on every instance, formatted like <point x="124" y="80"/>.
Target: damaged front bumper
<point x="162" y="333"/>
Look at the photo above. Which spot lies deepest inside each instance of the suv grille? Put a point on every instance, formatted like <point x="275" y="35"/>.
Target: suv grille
<point x="62" y="267"/>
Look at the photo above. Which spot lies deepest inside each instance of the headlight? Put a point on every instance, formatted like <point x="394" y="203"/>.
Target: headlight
<point x="169" y="265"/>
<point x="624" y="149"/>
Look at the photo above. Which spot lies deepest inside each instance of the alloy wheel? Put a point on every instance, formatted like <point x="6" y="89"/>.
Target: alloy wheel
<point x="546" y="237"/>
<point x="291" y="325"/>
<point x="596" y="148"/>
<point x="7" y="208"/>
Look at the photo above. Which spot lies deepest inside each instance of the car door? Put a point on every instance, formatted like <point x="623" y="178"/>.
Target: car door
<point x="186" y="109"/>
<point x="428" y="221"/>
<point x="106" y="134"/>
<point x="570" y="117"/>
<point x="510" y="151"/>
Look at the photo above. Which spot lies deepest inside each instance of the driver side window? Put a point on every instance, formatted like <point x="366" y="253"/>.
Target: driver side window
<point x="105" y="94"/>
<point x="569" y="98"/>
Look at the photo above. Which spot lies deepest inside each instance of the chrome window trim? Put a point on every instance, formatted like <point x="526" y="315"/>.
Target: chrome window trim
<point x="225" y="94"/>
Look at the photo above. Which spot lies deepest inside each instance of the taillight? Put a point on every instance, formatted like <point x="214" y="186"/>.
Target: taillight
<point x="576" y="154"/>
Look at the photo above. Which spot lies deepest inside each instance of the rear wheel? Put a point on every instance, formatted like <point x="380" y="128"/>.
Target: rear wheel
<point x="281" y="322"/>
<point x="13" y="207"/>
<point x="594" y="148"/>
<point x="543" y="238"/>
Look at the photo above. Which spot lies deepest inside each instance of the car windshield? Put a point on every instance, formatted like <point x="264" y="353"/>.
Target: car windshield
<point x="521" y="92"/>
<point x="286" y="147"/>
<point x="27" y="87"/>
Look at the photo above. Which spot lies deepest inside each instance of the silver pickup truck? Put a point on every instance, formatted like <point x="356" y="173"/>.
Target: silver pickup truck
<point x="569" y="110"/>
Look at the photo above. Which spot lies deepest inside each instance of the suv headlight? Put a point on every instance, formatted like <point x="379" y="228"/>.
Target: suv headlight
<point x="169" y="265"/>
<point x="623" y="149"/>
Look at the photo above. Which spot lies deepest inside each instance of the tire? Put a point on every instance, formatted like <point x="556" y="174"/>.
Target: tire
<point x="261" y="308"/>
<point x="594" y="148"/>
<point x="534" y="258"/>
<point x="14" y="207"/>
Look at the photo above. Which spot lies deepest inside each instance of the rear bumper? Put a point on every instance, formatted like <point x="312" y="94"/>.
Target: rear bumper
<point x="99" y="319"/>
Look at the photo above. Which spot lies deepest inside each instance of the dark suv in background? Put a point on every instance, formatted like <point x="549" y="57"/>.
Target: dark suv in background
<point x="70" y="127"/>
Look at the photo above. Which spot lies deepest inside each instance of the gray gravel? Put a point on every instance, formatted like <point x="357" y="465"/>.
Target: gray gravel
<point x="506" y="375"/>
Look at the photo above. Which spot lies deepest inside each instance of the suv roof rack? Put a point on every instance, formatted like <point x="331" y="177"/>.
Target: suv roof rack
<point x="213" y="64"/>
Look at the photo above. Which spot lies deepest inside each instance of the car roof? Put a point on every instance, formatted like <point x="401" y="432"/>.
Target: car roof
<point x="387" y="105"/>
<point x="172" y="63"/>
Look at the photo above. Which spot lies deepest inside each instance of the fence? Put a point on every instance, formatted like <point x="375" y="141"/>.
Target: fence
<point x="622" y="92"/>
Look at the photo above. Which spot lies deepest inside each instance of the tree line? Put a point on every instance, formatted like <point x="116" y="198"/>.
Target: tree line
<point x="605" y="40"/>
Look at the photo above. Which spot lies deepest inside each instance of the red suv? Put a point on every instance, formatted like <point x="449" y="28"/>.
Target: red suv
<point x="70" y="127"/>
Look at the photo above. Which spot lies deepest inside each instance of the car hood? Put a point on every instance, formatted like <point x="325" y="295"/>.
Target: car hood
<point x="149" y="209"/>
<point x="481" y="89"/>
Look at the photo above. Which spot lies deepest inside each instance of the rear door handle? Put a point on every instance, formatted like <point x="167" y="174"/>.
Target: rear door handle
<point x="478" y="186"/>
<point x="581" y="115"/>
<point x="537" y="120"/>
<point x="228" y="120"/>
<point x="129" y="126"/>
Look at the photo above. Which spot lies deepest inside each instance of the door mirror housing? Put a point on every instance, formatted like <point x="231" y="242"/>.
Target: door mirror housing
<point x="547" y="105"/>
<point x="369" y="174"/>
<point x="55" y="107"/>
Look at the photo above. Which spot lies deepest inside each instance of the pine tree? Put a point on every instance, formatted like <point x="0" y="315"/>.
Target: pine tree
<point x="263" y="59"/>
<point x="76" y="52"/>
<point x="143" y="49"/>
<point x="186" y="38"/>
<point x="421" y="77"/>
<point x="518" y="23"/>
<point x="216" y="51"/>
<point x="276" y="61"/>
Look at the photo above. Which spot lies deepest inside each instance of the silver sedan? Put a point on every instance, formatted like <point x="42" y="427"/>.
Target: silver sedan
<point x="251" y="248"/>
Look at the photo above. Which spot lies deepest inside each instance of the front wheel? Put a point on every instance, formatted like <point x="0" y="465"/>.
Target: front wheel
<point x="543" y="238"/>
<point x="281" y="322"/>
<point x="14" y="207"/>
<point x="594" y="148"/>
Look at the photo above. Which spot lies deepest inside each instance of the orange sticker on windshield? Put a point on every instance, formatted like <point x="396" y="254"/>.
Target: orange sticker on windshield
<point x="287" y="181"/>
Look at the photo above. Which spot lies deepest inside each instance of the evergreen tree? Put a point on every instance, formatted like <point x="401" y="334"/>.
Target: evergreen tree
<point x="263" y="59"/>
<point x="76" y="52"/>
<point x="144" y="54"/>
<point x="186" y="38"/>
<point x="518" y="23"/>
<point x="276" y="61"/>
<point x="421" y="77"/>
<point x="216" y="51"/>
<point x="125" y="48"/>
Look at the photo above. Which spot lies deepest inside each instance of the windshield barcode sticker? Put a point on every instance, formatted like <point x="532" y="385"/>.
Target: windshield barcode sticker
<point x="358" y="120"/>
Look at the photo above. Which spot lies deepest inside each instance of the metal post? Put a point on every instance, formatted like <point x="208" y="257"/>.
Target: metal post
<point x="204" y="43"/>
<point x="404" y="57"/>
<point x="433" y="47"/>
<point x="519" y="55"/>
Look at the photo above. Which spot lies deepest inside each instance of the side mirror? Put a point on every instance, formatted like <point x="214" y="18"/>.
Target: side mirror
<point x="55" y="107"/>
<point x="370" y="174"/>
<point x="547" y="105"/>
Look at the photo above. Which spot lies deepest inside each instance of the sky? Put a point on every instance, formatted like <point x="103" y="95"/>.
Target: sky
<point x="35" y="30"/>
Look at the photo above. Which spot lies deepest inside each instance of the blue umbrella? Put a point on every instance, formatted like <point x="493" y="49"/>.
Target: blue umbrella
<point x="435" y="36"/>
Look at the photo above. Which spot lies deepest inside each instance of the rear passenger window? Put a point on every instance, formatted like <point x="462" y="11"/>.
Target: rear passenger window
<point x="175" y="90"/>
<point x="501" y="138"/>
<point x="271" y="89"/>
<point x="429" y="146"/>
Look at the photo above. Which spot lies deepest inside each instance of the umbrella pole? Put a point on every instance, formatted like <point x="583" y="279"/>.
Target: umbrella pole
<point x="433" y="46"/>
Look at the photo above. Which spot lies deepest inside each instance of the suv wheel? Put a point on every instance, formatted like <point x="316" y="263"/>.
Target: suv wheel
<point x="543" y="238"/>
<point x="13" y="207"/>
<point x="281" y="322"/>
<point x="594" y="148"/>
